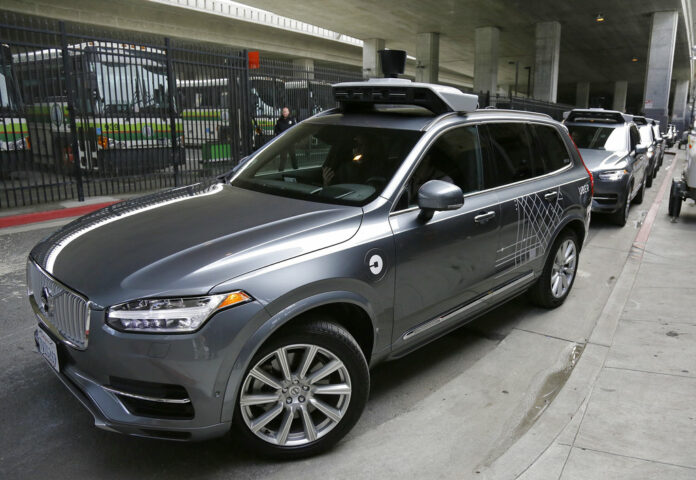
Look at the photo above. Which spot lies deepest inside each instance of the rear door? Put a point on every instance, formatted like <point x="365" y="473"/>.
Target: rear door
<point x="531" y="202"/>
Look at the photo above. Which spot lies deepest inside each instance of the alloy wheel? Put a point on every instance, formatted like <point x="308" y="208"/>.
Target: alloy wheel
<point x="295" y="395"/>
<point x="563" y="270"/>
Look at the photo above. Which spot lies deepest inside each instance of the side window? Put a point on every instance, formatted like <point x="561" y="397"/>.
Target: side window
<point x="510" y="153"/>
<point x="455" y="157"/>
<point x="553" y="154"/>
<point x="635" y="137"/>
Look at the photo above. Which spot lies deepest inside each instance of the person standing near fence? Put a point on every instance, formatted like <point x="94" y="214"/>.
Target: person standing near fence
<point x="284" y="122"/>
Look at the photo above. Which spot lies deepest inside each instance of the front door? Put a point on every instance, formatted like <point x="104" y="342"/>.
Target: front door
<point x="446" y="262"/>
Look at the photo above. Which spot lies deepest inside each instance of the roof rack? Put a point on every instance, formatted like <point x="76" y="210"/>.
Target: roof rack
<point x="400" y="91"/>
<point x="598" y="115"/>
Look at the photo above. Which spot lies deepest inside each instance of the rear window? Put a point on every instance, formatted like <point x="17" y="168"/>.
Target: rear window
<point x="553" y="154"/>
<point x="599" y="138"/>
<point x="511" y="153"/>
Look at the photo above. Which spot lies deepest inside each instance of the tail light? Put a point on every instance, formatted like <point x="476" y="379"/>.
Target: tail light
<point x="583" y="164"/>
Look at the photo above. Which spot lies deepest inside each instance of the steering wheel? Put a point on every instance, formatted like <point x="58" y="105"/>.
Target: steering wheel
<point x="376" y="182"/>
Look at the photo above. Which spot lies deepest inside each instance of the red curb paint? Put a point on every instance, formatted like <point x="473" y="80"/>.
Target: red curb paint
<point x="14" y="220"/>
<point x="644" y="231"/>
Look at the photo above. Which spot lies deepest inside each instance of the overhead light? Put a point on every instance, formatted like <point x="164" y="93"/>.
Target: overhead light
<point x="599" y="17"/>
<point x="634" y="59"/>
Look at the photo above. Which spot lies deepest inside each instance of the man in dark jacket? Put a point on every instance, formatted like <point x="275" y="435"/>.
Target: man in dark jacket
<point x="284" y="122"/>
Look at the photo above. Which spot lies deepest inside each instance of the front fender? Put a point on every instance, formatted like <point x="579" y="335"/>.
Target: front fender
<point x="280" y="314"/>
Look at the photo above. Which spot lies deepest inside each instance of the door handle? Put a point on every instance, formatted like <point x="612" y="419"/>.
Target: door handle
<point x="484" y="217"/>
<point x="550" y="196"/>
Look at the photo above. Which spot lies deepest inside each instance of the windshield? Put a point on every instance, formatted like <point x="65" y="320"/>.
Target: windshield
<point x="328" y="163"/>
<point x="599" y="138"/>
<point x="125" y="88"/>
<point x="646" y="135"/>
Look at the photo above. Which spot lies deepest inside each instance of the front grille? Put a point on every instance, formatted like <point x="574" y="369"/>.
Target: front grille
<point x="65" y="312"/>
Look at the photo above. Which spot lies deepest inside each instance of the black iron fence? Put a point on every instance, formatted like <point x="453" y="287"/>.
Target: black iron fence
<point x="84" y="113"/>
<point x="87" y="112"/>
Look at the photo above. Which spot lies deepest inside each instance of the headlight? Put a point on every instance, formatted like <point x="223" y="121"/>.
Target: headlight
<point x="170" y="315"/>
<point x="651" y="153"/>
<point x="612" y="175"/>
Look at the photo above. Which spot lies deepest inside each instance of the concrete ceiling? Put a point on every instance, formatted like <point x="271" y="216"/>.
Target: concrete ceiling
<point x="599" y="53"/>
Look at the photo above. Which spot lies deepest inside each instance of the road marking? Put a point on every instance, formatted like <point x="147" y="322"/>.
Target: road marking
<point x="15" y="220"/>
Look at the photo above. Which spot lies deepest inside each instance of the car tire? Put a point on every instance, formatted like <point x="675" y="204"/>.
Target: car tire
<point x="620" y="217"/>
<point x="649" y="177"/>
<point x="675" y="202"/>
<point x="309" y="411"/>
<point x="638" y="199"/>
<point x="558" y="276"/>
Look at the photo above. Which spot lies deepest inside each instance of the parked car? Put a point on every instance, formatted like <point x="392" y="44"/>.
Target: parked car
<point x="611" y="147"/>
<point x="660" y="153"/>
<point x="259" y="301"/>
<point x="648" y="139"/>
<point x="671" y="136"/>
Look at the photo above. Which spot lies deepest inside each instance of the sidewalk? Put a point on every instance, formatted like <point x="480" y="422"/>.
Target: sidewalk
<point x="636" y="381"/>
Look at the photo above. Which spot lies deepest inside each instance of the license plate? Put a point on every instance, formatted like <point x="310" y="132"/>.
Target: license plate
<point x="48" y="349"/>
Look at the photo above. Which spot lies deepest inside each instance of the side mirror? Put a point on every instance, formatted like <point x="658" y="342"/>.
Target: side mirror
<point x="438" y="195"/>
<point x="640" y="149"/>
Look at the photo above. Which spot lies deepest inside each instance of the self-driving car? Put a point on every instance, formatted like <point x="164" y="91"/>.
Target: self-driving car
<point x="258" y="302"/>
<point x="647" y="139"/>
<point x="611" y="147"/>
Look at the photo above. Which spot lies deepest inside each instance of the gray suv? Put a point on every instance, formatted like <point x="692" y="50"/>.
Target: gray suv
<point x="611" y="147"/>
<point x="260" y="301"/>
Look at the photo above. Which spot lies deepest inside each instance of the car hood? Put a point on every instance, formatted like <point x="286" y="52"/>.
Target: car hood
<point x="187" y="240"/>
<point x="596" y="160"/>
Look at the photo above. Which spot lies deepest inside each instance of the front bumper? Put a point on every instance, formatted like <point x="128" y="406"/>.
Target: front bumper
<point x="198" y="364"/>
<point x="608" y="196"/>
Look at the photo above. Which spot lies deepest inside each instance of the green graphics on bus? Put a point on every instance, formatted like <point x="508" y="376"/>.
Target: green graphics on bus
<point x="120" y="100"/>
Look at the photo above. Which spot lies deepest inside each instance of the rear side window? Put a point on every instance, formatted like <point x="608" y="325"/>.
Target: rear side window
<point x="510" y="152"/>
<point x="553" y="154"/>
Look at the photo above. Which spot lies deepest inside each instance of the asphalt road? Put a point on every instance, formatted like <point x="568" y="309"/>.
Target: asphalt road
<point x="443" y="411"/>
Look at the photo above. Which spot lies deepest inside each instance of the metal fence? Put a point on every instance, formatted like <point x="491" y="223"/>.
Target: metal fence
<point x="90" y="112"/>
<point x="86" y="113"/>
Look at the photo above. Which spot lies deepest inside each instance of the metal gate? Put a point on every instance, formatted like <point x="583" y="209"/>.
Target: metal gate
<point x="87" y="113"/>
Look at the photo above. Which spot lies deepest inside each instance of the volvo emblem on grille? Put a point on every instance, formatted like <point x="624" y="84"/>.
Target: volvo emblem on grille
<point x="46" y="301"/>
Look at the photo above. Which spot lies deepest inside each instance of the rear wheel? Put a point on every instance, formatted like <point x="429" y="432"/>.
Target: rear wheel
<point x="303" y="392"/>
<point x="558" y="276"/>
<point x="675" y="201"/>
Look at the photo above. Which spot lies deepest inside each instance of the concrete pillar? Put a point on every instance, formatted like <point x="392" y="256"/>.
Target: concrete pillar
<point x="679" y="104"/>
<point x="620" y="91"/>
<point x="658" y="78"/>
<point x="546" y="57"/>
<point x="372" y="66"/>
<point x="306" y="64"/>
<point x="427" y="57"/>
<point x="582" y="95"/>
<point x="486" y="60"/>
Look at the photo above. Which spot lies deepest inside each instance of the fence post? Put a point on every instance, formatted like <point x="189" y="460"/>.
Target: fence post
<point x="232" y="107"/>
<point x="246" y="117"/>
<point x="171" y="95"/>
<point x="69" y="86"/>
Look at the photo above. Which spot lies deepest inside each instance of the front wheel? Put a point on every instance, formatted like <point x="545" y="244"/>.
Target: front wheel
<point x="650" y="176"/>
<point x="638" y="199"/>
<point x="304" y="391"/>
<point x="620" y="217"/>
<point x="558" y="276"/>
